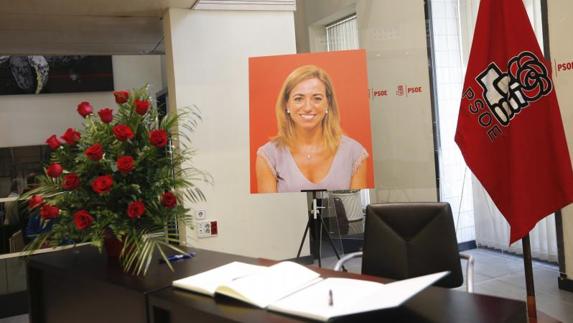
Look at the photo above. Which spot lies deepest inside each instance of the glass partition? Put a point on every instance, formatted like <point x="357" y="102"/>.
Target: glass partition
<point x="394" y="36"/>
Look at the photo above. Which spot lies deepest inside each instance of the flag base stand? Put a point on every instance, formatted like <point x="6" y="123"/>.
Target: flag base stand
<point x="529" y="286"/>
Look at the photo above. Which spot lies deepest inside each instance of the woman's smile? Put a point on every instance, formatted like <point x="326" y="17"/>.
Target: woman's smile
<point x="308" y="116"/>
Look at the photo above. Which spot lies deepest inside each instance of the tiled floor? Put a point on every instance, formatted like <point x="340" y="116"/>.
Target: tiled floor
<point x="503" y="275"/>
<point x="495" y="274"/>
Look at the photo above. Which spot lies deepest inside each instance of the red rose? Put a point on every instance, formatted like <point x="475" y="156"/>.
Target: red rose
<point x="102" y="184"/>
<point x="158" y="138"/>
<point x="53" y="142"/>
<point x="71" y="181"/>
<point x="82" y="219"/>
<point x="84" y="109"/>
<point x="168" y="200"/>
<point x="141" y="107"/>
<point x="122" y="132"/>
<point x="106" y="115"/>
<point x="125" y="164"/>
<point x="135" y="209"/>
<point x="54" y="170"/>
<point x="49" y="212"/>
<point x="35" y="201"/>
<point x="94" y="152"/>
<point x="71" y="136"/>
<point x="121" y="96"/>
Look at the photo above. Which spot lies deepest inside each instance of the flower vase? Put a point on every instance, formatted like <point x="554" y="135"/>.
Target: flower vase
<point x="113" y="247"/>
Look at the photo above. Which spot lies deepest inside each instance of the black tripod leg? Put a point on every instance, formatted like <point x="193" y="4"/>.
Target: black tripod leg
<point x="318" y="242"/>
<point x="303" y="238"/>
<point x="323" y="226"/>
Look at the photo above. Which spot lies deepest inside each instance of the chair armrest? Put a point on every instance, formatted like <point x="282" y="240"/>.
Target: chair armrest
<point x="343" y="260"/>
<point x="469" y="272"/>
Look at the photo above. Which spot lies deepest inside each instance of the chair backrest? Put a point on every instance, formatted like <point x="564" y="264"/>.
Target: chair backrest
<point x="341" y="218"/>
<point x="404" y="240"/>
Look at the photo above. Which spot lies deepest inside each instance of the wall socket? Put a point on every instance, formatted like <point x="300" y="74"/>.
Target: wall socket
<point x="201" y="214"/>
<point x="206" y="229"/>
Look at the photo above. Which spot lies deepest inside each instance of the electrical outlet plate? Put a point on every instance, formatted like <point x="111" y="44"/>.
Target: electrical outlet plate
<point x="201" y="214"/>
<point x="206" y="229"/>
<point x="203" y="229"/>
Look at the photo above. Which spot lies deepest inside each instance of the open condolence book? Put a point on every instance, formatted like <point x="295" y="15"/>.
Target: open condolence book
<point x="291" y="288"/>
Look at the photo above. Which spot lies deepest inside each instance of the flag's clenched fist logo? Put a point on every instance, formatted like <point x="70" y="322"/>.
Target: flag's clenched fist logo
<point x="506" y="93"/>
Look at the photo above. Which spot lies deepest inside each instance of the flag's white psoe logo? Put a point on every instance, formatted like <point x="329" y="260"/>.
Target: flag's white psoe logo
<point x="506" y="93"/>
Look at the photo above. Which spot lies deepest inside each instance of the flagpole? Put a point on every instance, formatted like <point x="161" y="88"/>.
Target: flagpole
<point x="531" y="306"/>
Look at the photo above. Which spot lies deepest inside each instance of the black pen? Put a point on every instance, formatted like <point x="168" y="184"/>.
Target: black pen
<point x="330" y="298"/>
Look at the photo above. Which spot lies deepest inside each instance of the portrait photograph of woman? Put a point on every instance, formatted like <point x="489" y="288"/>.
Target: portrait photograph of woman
<point x="318" y="134"/>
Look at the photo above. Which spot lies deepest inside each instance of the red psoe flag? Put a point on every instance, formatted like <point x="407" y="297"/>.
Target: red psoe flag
<point x="509" y="126"/>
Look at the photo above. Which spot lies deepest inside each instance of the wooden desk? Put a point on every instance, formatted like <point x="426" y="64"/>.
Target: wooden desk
<point x="435" y="304"/>
<point x="78" y="285"/>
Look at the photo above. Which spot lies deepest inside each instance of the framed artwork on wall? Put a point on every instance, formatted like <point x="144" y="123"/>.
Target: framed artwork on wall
<point x="55" y="74"/>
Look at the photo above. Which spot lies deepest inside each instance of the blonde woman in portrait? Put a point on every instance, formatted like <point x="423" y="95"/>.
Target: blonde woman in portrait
<point x="309" y="151"/>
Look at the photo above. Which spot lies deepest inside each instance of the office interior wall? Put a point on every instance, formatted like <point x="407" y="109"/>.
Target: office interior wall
<point x="29" y="119"/>
<point x="394" y="36"/>
<point x="561" y="50"/>
<point x="207" y="65"/>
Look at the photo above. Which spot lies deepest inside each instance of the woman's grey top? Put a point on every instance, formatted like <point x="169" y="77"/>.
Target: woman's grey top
<point x="349" y="155"/>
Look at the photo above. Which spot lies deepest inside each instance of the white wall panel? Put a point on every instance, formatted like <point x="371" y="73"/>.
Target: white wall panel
<point x="207" y="65"/>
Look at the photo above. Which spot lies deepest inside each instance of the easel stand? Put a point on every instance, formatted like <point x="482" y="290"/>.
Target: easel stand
<point x="316" y="226"/>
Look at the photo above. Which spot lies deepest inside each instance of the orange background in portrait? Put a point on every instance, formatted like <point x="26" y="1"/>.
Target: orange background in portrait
<point x="347" y="70"/>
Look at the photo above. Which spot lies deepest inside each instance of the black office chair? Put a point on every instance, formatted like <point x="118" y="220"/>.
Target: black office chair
<point x="341" y="218"/>
<point x="404" y="240"/>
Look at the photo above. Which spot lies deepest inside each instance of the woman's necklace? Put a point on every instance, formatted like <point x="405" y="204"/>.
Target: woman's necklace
<point x="310" y="151"/>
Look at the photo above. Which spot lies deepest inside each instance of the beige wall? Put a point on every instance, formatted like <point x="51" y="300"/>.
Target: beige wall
<point x="207" y="65"/>
<point x="30" y="119"/>
<point x="561" y="49"/>
<point x="394" y="36"/>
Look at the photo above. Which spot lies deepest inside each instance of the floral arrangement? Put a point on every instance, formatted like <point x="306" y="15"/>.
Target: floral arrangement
<point x="118" y="178"/>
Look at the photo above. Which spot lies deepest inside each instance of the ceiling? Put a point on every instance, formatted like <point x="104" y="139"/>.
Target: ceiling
<point x="79" y="27"/>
